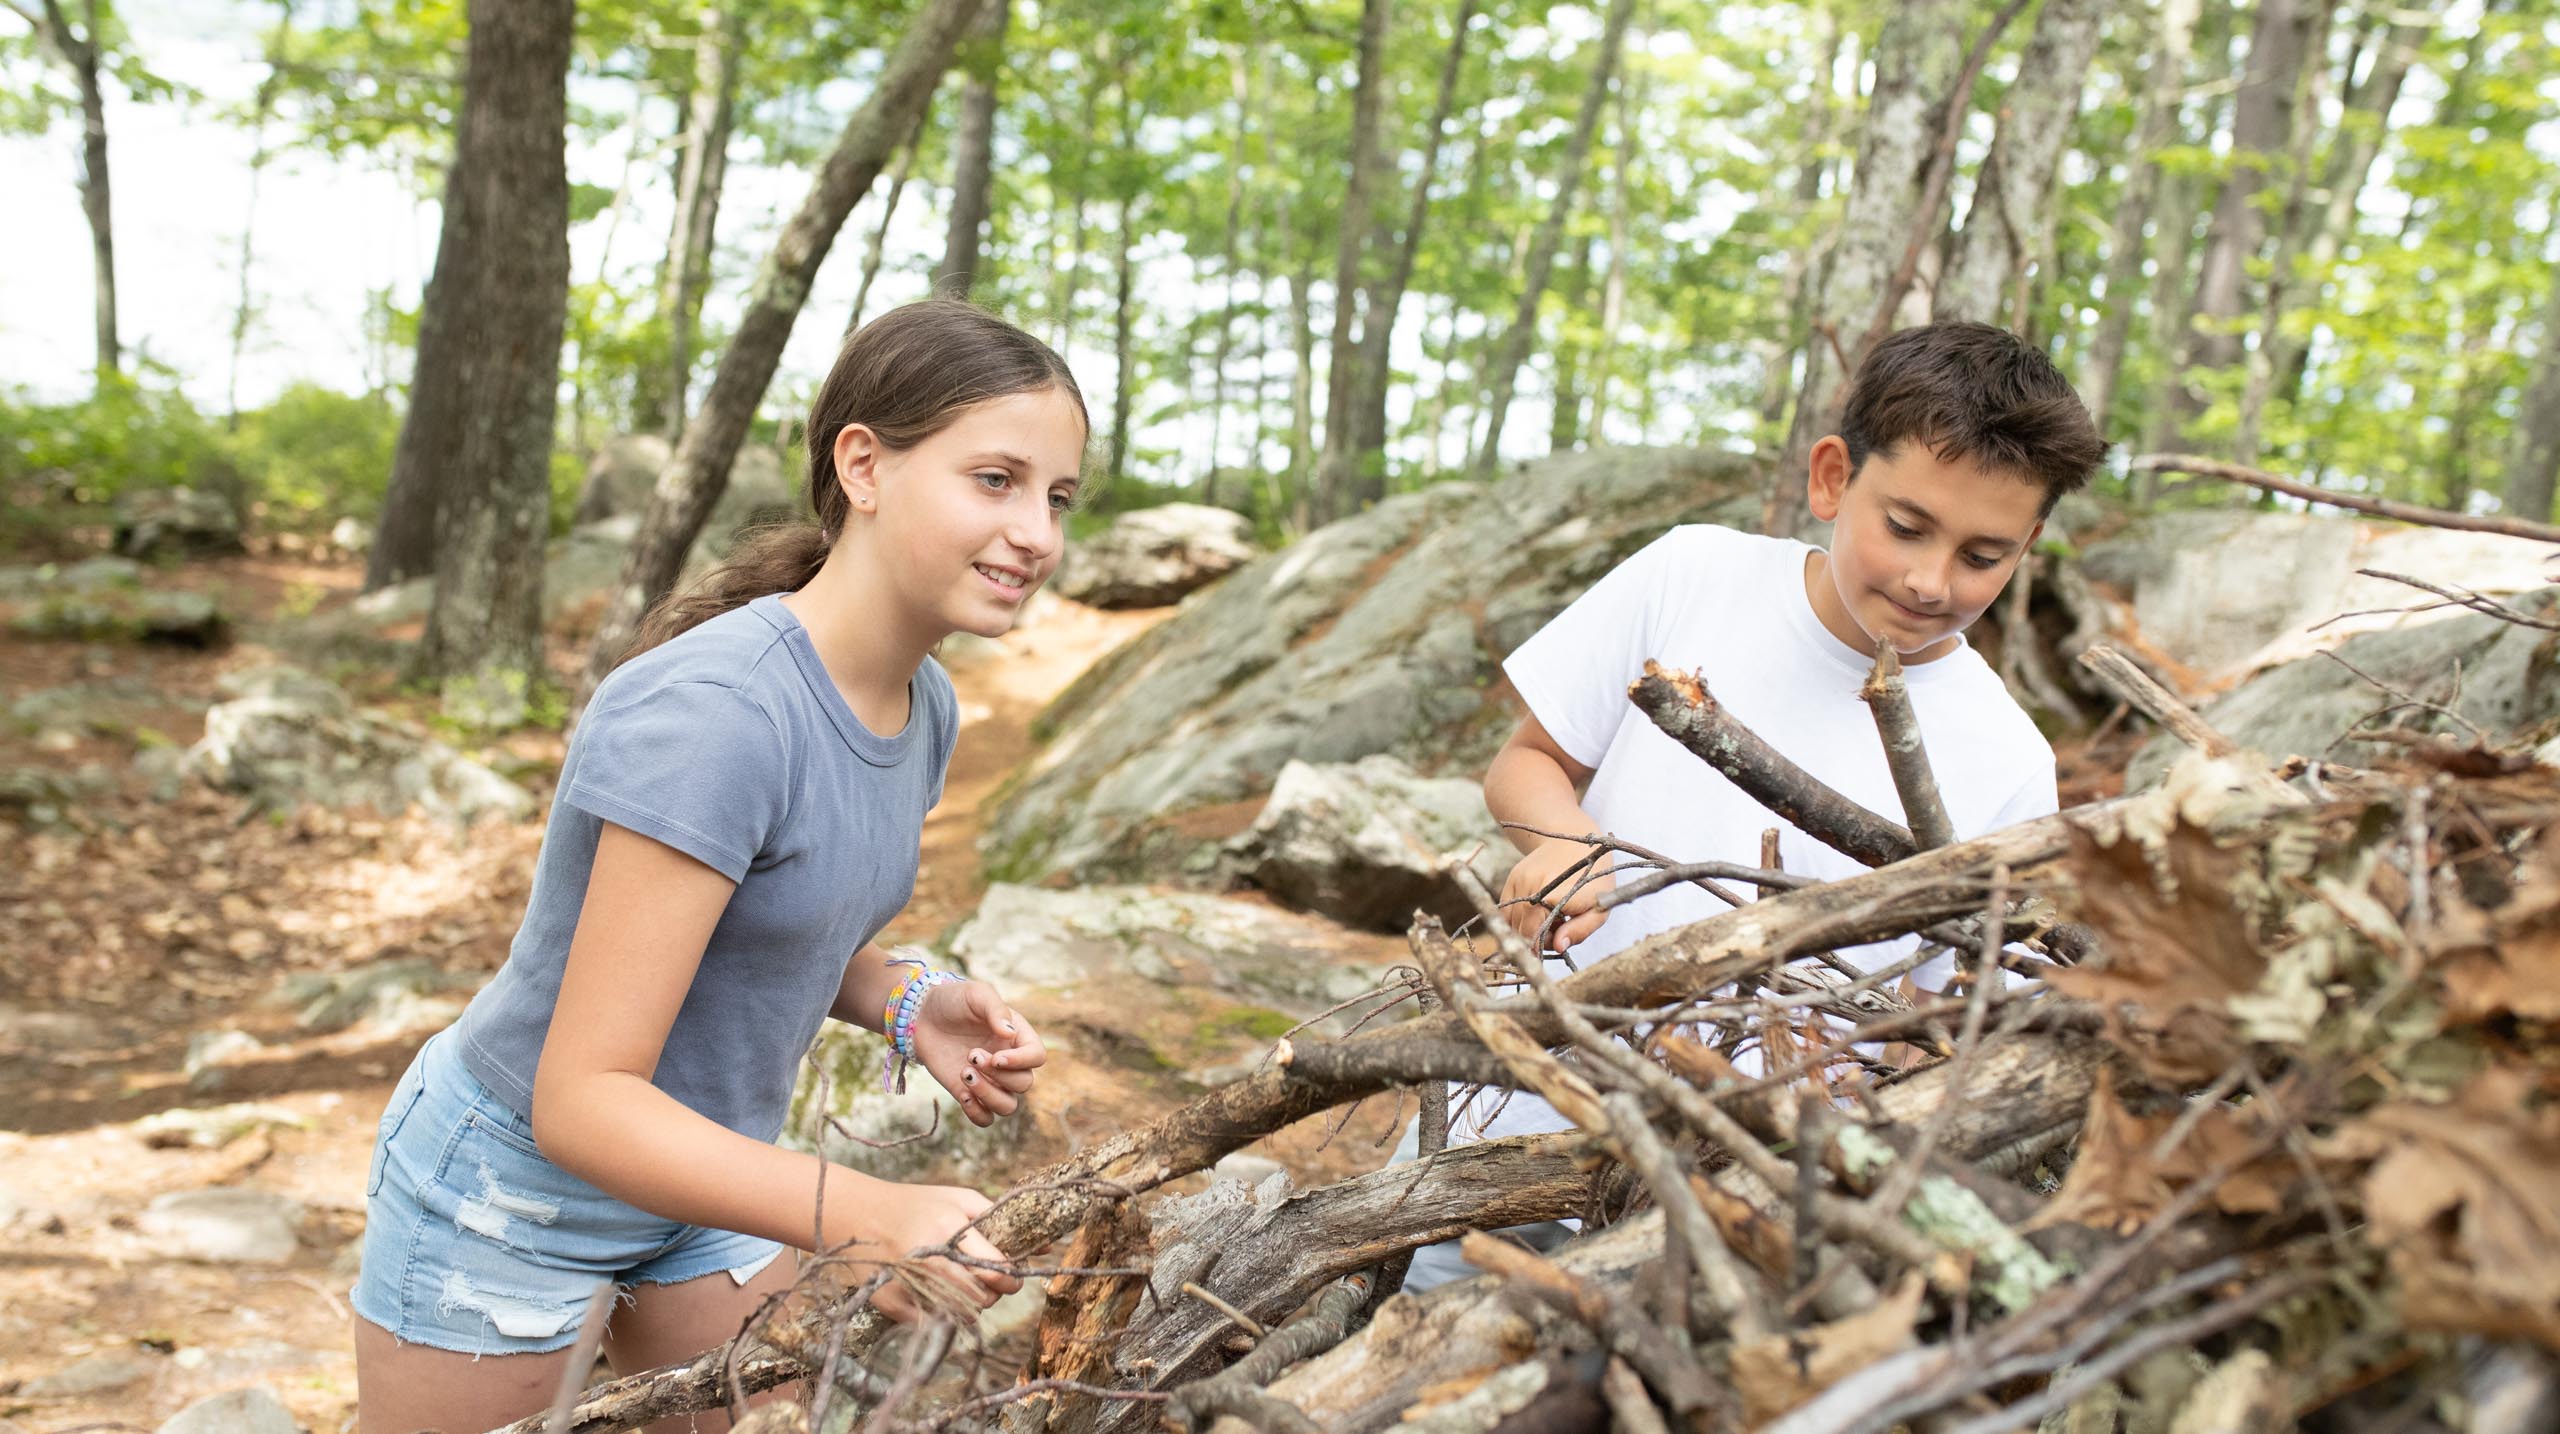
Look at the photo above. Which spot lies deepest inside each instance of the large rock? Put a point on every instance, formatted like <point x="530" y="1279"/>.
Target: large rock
<point x="2509" y="686"/>
<point x="226" y="1226"/>
<point x="1380" y="633"/>
<point x="1365" y="843"/>
<point x="1032" y="942"/>
<point x="625" y="470"/>
<point x="173" y="618"/>
<point x="289" y="737"/>
<point x="175" y="522"/>
<point x="1155" y="556"/>
<point x="2222" y="593"/>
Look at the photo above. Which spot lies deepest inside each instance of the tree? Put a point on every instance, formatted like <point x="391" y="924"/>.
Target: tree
<point x="84" y="52"/>
<point x="1986" y="270"/>
<point x="2161" y="85"/>
<point x="1332" y="486"/>
<point x="478" y="434"/>
<point x="973" y="154"/>
<point x="1542" y="250"/>
<point x="2262" y="121"/>
<point x="699" y="471"/>
<point x="1916" y="57"/>
<point x="710" y="113"/>
<point x="2533" y="463"/>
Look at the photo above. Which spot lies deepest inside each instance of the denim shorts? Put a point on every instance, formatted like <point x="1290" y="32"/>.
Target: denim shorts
<point x="474" y="1242"/>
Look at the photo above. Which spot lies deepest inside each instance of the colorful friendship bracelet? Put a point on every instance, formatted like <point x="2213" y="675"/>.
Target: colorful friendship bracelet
<point x="898" y="1018"/>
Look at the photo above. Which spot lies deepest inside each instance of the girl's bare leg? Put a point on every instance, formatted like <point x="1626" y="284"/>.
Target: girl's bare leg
<point x="403" y="1388"/>
<point x="668" y="1324"/>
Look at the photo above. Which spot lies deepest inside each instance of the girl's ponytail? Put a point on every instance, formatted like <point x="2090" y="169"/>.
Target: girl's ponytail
<point x="906" y="376"/>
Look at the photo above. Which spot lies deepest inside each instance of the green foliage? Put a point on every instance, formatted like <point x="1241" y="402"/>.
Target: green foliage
<point x="314" y="456"/>
<point x="132" y="432"/>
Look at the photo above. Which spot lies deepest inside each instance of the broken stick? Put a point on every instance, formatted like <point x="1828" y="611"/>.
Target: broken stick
<point x="1889" y="699"/>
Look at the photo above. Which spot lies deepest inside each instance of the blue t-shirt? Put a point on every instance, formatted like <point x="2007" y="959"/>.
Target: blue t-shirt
<point x="732" y="745"/>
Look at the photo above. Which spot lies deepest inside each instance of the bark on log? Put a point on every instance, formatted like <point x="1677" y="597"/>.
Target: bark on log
<point x="1689" y="714"/>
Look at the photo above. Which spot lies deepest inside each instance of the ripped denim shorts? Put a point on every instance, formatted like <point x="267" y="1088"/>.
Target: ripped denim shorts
<point x="474" y="1242"/>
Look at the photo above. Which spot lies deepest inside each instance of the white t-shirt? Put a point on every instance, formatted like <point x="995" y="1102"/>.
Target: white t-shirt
<point x="1732" y="607"/>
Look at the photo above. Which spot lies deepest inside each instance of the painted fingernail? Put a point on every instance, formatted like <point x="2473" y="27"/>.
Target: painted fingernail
<point x="977" y="1058"/>
<point x="970" y="1076"/>
<point x="1005" y="1026"/>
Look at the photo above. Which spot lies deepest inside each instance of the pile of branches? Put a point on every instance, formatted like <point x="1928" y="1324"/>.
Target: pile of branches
<point x="2242" y="1113"/>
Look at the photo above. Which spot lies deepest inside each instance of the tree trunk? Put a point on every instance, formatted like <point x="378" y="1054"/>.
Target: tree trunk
<point x="973" y="154"/>
<point x="1386" y="299"/>
<point x="2533" y="463"/>
<point x="262" y="109"/>
<point x="1240" y="82"/>
<point x="2160" y="91"/>
<point x="2261" y="126"/>
<point x="80" y="54"/>
<point x="1564" y="421"/>
<point x="710" y="114"/>
<point x="876" y="248"/>
<point x="2000" y="231"/>
<point x="489" y="349"/>
<point x="699" y="471"/>
<point x="1777" y="381"/>
<point x="1916" y="59"/>
<point x="2359" y="142"/>
<point x="1332" y="488"/>
<point x="1613" y="288"/>
<point x="1542" y="251"/>
<point x="1302" y="392"/>
<point x="1124" y="347"/>
<point x="2292" y="222"/>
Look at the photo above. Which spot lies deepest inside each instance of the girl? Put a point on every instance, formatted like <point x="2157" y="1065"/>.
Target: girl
<point x="741" y="808"/>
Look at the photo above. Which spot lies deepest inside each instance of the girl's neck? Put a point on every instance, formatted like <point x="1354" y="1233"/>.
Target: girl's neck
<point x="856" y="625"/>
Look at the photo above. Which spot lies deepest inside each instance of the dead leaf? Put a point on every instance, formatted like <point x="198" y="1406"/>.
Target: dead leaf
<point x="2466" y="1197"/>
<point x="1779" y="1372"/>
<point x="2505" y="960"/>
<point x="2174" y="945"/>
<point x="2116" y="1183"/>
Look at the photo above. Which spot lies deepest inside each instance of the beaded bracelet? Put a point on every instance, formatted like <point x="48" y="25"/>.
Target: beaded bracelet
<point x="898" y="1018"/>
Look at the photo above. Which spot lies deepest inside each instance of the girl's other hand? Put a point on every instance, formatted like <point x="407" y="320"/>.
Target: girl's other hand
<point x="924" y="1217"/>
<point x="979" y="1048"/>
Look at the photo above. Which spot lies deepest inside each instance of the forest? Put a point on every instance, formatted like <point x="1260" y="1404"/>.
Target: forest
<point x="426" y="344"/>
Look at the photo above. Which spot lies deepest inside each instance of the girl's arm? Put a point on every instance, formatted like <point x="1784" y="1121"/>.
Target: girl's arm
<point x="648" y="913"/>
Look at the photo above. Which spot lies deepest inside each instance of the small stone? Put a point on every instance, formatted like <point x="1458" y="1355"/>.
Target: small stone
<point x="239" y="1411"/>
<point x="94" y="1375"/>
<point x="210" y="1053"/>
<point x="211" y="1127"/>
<point x="225" y="1226"/>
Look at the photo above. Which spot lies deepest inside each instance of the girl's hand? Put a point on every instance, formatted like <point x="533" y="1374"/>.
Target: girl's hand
<point x="924" y="1217"/>
<point x="981" y="1049"/>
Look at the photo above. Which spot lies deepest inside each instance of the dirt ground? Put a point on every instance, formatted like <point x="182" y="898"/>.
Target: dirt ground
<point x="158" y="921"/>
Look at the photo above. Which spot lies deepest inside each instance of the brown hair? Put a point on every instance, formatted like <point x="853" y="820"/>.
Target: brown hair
<point x="906" y="376"/>
<point x="1970" y="390"/>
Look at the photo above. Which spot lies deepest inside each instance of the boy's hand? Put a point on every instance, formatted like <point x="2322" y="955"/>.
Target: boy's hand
<point x="981" y="1049"/>
<point x="1544" y="863"/>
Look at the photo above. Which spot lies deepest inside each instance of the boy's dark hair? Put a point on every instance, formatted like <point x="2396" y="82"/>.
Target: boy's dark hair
<point x="1971" y="390"/>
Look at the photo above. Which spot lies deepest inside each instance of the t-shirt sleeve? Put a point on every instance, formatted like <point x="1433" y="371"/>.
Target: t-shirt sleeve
<point x="1574" y="673"/>
<point x="696" y="765"/>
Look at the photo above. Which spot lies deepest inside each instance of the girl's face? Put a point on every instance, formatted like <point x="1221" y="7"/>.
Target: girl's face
<point x="969" y="523"/>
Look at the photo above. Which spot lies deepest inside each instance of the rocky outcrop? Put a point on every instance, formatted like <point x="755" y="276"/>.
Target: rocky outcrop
<point x="288" y="737"/>
<point x="2217" y="594"/>
<point x="1366" y="842"/>
<point x="2503" y="677"/>
<point x="175" y="522"/>
<point x="1155" y="556"/>
<point x="624" y="471"/>
<point x="1380" y="633"/>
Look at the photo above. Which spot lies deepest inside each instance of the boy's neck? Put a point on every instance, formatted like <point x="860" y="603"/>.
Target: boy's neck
<point x="1824" y="594"/>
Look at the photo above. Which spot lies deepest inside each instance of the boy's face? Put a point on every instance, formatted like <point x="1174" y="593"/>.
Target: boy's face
<point x="1919" y="546"/>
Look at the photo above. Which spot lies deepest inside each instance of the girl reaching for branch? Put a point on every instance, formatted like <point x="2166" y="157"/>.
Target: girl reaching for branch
<point x="741" y="807"/>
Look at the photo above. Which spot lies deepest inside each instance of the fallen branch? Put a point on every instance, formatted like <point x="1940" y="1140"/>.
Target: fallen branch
<point x="2119" y="675"/>
<point x="1681" y="706"/>
<point x="2378" y="507"/>
<point x="1905" y="756"/>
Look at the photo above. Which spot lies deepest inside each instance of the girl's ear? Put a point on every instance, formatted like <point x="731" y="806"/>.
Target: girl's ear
<point x="857" y="464"/>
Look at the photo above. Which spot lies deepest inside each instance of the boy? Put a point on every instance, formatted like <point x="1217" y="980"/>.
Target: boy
<point x="1955" y="442"/>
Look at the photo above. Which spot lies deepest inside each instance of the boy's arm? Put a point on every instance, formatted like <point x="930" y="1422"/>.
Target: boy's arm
<point x="1534" y="783"/>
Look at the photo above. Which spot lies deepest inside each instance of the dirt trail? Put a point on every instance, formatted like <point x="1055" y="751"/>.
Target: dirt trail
<point x="165" y="920"/>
